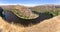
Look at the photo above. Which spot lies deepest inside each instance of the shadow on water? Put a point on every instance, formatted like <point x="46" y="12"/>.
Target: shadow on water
<point x="26" y="22"/>
<point x="1" y="11"/>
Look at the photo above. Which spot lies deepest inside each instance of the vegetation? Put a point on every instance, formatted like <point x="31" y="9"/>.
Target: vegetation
<point x="25" y="13"/>
<point x="55" y="10"/>
<point x="43" y="26"/>
<point x="20" y="14"/>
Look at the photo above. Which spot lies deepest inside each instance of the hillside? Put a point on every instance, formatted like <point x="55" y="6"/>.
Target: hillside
<point x="53" y="9"/>
<point x="30" y="12"/>
<point x="20" y="11"/>
<point x="44" y="8"/>
<point x="43" y="18"/>
<point x="50" y="25"/>
<point x="6" y="27"/>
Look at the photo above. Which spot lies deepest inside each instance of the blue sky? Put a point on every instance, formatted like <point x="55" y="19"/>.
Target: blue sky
<point x="29" y="2"/>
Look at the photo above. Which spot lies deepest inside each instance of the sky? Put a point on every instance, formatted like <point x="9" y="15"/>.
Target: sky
<point x="29" y="2"/>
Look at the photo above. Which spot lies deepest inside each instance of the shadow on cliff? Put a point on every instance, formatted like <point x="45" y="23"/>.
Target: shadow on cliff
<point x="26" y="22"/>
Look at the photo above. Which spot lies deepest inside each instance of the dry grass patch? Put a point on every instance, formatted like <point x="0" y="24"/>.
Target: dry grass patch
<point x="6" y="27"/>
<point x="51" y="25"/>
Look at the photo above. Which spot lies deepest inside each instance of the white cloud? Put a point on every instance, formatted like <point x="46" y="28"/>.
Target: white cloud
<point x="28" y="5"/>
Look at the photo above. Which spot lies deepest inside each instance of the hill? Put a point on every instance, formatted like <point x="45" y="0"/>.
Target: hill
<point x="44" y="20"/>
<point x="20" y="11"/>
<point x="50" y="25"/>
<point x="54" y="9"/>
<point x="6" y="27"/>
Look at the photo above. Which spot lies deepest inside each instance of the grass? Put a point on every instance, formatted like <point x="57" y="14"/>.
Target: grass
<point x="50" y="25"/>
<point x="21" y="15"/>
<point x="6" y="27"/>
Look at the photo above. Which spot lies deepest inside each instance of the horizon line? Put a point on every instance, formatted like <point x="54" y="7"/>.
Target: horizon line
<point x="29" y="5"/>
